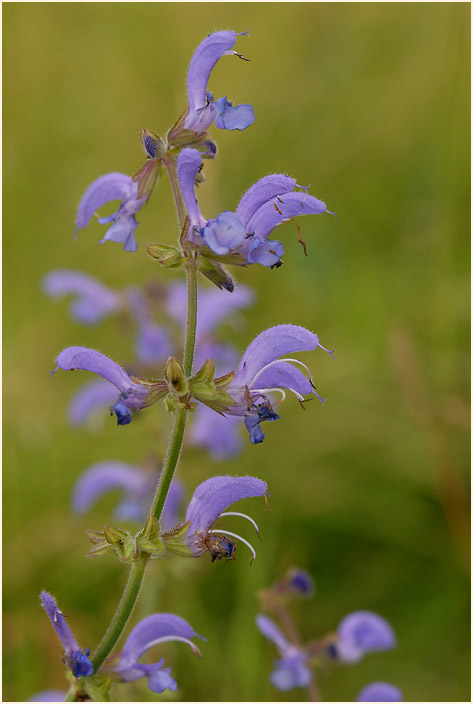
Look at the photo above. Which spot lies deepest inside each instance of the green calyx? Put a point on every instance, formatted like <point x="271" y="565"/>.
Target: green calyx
<point x="211" y="391"/>
<point x="148" y="538"/>
<point x="173" y="540"/>
<point x="168" y="256"/>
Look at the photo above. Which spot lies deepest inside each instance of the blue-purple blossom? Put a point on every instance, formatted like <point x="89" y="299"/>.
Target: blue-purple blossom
<point x="114" y="186"/>
<point x="49" y="695"/>
<point x="76" y="658"/>
<point x="291" y="670"/>
<point x="151" y="631"/>
<point x="260" y="372"/>
<point x="133" y="394"/>
<point x="267" y="204"/>
<point x="363" y="632"/>
<point x="380" y="692"/>
<point x="208" y="504"/>
<point x="92" y="301"/>
<point x="202" y="109"/>
<point x="300" y="582"/>
<point x="153" y="343"/>
<point x="137" y="487"/>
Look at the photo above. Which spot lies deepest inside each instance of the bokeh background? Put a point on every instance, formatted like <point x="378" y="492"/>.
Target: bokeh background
<point x="368" y="103"/>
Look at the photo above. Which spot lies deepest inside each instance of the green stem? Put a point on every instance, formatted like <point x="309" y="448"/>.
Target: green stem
<point x="170" y="463"/>
<point x="122" y="613"/>
<point x="189" y="347"/>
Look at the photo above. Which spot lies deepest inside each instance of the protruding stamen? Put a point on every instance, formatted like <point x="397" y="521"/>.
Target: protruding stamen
<point x="242" y="515"/>
<point x="234" y="535"/>
<point x="285" y="359"/>
<point x="329" y="351"/>
<point x="267" y="391"/>
<point x="165" y="639"/>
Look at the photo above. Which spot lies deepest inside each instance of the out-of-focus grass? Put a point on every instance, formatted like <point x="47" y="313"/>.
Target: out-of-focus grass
<point x="369" y="104"/>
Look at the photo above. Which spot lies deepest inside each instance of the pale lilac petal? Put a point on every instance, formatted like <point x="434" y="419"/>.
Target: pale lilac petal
<point x="106" y="476"/>
<point x="96" y="395"/>
<point x="272" y="632"/>
<point x="291" y="672"/>
<point x="224" y="233"/>
<point x="189" y="162"/>
<point x="264" y="252"/>
<point x="233" y="117"/>
<point x="271" y="344"/>
<point x="219" y="435"/>
<point x="380" y="692"/>
<point x="49" y="695"/>
<point x="114" y="186"/>
<point x="94" y="300"/>
<point x="202" y="63"/>
<point x="261" y="192"/>
<point x="216" y="494"/>
<point x="278" y="210"/>
<point x="161" y="680"/>
<point x="362" y="632"/>
<point x="283" y="375"/>
<point x="150" y="629"/>
<point x="84" y="358"/>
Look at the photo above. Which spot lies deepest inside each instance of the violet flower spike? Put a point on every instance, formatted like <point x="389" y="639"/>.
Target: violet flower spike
<point x="202" y="110"/>
<point x="363" y="632"/>
<point x="260" y="372"/>
<point x="151" y="631"/>
<point x="93" y="301"/>
<point x="133" y="395"/>
<point x="380" y="692"/>
<point x="208" y="504"/>
<point x="114" y="186"/>
<point x="137" y="487"/>
<point x="76" y="658"/>
<point x="291" y="670"/>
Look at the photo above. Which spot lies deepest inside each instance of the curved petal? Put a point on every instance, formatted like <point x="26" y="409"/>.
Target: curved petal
<point x="58" y="621"/>
<point x="278" y="210"/>
<point x="161" y="680"/>
<point x="224" y="233"/>
<point x="215" y="495"/>
<point x="362" y="632"/>
<point x="84" y="358"/>
<point x="261" y="192"/>
<point x="272" y="632"/>
<point x="93" y="396"/>
<point x="282" y="375"/>
<point x="102" y="477"/>
<point x="233" y="117"/>
<point x="95" y="300"/>
<point x="114" y="186"/>
<point x="264" y="252"/>
<point x="268" y="346"/>
<point x="380" y="692"/>
<point x="189" y="162"/>
<point x="202" y="63"/>
<point x="151" y="629"/>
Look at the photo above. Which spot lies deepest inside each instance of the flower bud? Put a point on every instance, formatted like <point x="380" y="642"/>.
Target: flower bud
<point x="168" y="256"/>
<point x="153" y="144"/>
<point x="175" y="377"/>
<point x="121" y="541"/>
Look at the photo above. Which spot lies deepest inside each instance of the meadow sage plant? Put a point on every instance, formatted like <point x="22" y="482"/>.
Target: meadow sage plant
<point x="178" y="357"/>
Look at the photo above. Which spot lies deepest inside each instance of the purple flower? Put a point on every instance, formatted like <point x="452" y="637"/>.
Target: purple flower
<point x="93" y="301"/>
<point x="208" y="504"/>
<point x="133" y="394"/>
<point x="363" y="632"/>
<point x="137" y="487"/>
<point x="151" y="631"/>
<point x="153" y="343"/>
<point x="202" y="110"/>
<point x="77" y="659"/>
<point x="261" y="371"/>
<point x="49" y="695"/>
<point x="380" y="692"/>
<point x="291" y="671"/>
<point x="93" y="396"/>
<point x="114" y="186"/>
<point x="300" y="582"/>
<point x="268" y="203"/>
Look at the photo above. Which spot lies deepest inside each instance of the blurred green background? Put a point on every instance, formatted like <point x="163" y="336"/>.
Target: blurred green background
<point x="368" y="103"/>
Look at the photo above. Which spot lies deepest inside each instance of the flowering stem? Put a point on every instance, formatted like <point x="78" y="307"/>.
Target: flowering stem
<point x="170" y="464"/>
<point x="191" y="316"/>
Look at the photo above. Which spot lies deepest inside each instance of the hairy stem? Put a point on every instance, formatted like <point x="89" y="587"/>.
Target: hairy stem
<point x="191" y="316"/>
<point x="170" y="464"/>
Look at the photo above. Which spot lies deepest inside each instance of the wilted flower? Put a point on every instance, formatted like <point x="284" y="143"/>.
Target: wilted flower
<point x="292" y="670"/>
<point x="202" y="109"/>
<point x="260" y="371"/>
<point x="268" y="203"/>
<point x="114" y="186"/>
<point x="151" y="631"/>
<point x="134" y="393"/>
<point x="92" y="299"/>
<point x="362" y="632"/>
<point x="380" y="692"/>
<point x="137" y="486"/>
<point x="76" y="658"/>
<point x="208" y="504"/>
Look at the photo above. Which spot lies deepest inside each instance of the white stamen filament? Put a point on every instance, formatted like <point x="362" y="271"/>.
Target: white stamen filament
<point x="234" y="535"/>
<point x="267" y="391"/>
<point x="285" y="359"/>
<point x="242" y="515"/>
<point x="165" y="639"/>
